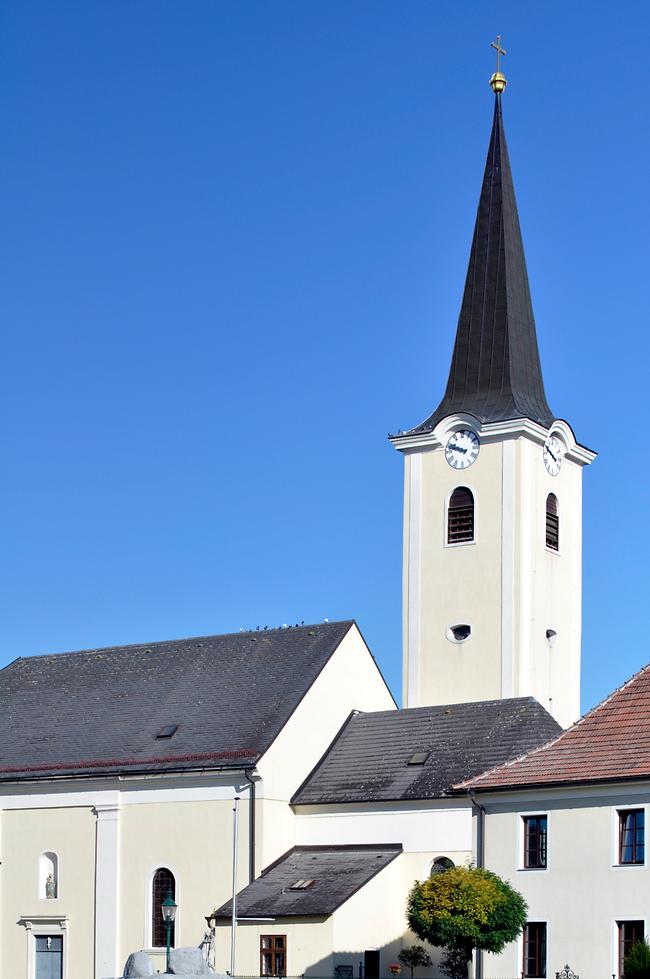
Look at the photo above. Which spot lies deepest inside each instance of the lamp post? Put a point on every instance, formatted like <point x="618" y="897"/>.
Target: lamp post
<point x="168" y="908"/>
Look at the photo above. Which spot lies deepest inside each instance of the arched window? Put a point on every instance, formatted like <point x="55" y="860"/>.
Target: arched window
<point x="162" y="885"/>
<point x="552" y="523"/>
<point x="460" y="516"/>
<point x="440" y="864"/>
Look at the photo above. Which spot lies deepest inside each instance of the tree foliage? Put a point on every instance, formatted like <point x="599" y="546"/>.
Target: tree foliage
<point x="466" y="908"/>
<point x="413" y="956"/>
<point x="637" y="961"/>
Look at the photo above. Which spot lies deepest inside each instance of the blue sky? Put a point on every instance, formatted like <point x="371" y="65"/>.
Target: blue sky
<point x="234" y="242"/>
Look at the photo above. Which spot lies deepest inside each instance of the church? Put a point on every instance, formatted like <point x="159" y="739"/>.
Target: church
<point x="276" y="765"/>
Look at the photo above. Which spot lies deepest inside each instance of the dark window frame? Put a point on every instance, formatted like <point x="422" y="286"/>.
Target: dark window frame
<point x="629" y="932"/>
<point x="533" y="964"/>
<point x="461" y="514"/>
<point x="631" y="837"/>
<point x="552" y="523"/>
<point x="276" y="953"/>
<point x="163" y="883"/>
<point x="535" y="842"/>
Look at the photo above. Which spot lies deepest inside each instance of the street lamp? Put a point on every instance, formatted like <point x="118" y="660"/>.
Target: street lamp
<point x="168" y="908"/>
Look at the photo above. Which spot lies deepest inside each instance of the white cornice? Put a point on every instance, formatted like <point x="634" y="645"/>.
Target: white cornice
<point x="494" y="431"/>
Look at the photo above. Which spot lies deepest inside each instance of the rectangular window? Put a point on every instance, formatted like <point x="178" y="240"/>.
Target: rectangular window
<point x="629" y="932"/>
<point x="535" y="835"/>
<point x="49" y="957"/>
<point x="631" y="836"/>
<point x="534" y="964"/>
<point x="273" y="955"/>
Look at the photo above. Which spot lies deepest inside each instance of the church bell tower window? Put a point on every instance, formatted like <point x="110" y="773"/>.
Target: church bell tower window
<point x="460" y="516"/>
<point x="552" y="523"/>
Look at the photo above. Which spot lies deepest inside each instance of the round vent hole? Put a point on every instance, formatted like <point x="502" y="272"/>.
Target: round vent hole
<point x="459" y="633"/>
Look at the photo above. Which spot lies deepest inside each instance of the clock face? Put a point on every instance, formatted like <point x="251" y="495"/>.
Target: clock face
<point x="552" y="455"/>
<point x="461" y="449"/>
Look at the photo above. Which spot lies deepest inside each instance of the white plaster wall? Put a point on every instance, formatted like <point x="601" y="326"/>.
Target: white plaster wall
<point x="549" y="584"/>
<point x="349" y="681"/>
<point x="583" y="892"/>
<point x="506" y="584"/>
<point x="184" y="824"/>
<point x="428" y="828"/>
<point x="194" y="841"/>
<point x="309" y="946"/>
<point x="456" y="584"/>
<point x="26" y="834"/>
<point x="373" y="918"/>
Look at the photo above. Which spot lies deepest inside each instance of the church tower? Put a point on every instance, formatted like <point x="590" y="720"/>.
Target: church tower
<point x="493" y="494"/>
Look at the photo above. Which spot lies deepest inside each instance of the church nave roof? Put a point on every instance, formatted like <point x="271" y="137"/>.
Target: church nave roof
<point x="222" y="700"/>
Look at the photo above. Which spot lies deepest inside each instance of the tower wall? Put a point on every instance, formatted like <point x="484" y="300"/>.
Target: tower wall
<point x="506" y="584"/>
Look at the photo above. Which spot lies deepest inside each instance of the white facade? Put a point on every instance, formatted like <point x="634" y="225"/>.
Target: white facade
<point x="584" y="893"/>
<point x="521" y="599"/>
<point x="107" y="837"/>
<point x="373" y="919"/>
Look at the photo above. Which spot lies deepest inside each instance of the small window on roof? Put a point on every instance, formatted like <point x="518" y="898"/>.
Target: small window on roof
<point x="302" y="885"/>
<point x="168" y="731"/>
<point x="418" y="758"/>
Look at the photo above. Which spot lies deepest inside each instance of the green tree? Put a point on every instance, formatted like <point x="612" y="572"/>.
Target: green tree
<point x="637" y="961"/>
<point x="414" y="956"/>
<point x="462" y="909"/>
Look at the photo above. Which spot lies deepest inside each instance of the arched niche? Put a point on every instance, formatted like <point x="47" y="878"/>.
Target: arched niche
<point x="48" y="875"/>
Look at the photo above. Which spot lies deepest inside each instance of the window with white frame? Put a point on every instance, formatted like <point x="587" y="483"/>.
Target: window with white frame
<point x="535" y="847"/>
<point x="629" y="933"/>
<point x="534" y="950"/>
<point x="460" y="516"/>
<point x="163" y="885"/>
<point x="631" y="836"/>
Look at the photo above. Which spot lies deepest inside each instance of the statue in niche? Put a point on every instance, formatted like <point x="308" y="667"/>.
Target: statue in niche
<point x="50" y="886"/>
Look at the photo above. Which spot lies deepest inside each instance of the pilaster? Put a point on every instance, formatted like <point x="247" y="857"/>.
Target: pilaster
<point x="106" y="890"/>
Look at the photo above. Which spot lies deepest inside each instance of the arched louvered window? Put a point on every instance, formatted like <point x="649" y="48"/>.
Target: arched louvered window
<point x="162" y="885"/>
<point x="460" y="516"/>
<point x="552" y="523"/>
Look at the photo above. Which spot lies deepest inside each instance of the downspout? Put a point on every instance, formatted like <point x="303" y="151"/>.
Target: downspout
<point x="480" y="860"/>
<point x="480" y="829"/>
<point x="252" y="776"/>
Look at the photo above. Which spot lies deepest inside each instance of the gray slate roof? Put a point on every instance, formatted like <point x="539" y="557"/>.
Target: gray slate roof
<point x="368" y="760"/>
<point x="495" y="371"/>
<point x="337" y="871"/>
<point x="99" y="711"/>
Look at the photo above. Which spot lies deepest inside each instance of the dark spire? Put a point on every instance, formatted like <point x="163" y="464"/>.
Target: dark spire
<point x="495" y="370"/>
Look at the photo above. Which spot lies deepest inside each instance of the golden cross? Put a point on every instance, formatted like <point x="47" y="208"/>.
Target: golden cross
<point x="497" y="45"/>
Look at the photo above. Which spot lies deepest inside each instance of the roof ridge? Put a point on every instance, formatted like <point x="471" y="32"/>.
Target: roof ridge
<point x="463" y="703"/>
<point x="93" y="650"/>
<point x="476" y="779"/>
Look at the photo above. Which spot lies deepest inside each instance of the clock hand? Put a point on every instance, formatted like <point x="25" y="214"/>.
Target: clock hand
<point x="457" y="448"/>
<point x="553" y="457"/>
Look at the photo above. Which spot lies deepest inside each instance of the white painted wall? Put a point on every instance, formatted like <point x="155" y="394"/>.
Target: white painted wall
<point x="584" y="891"/>
<point x="349" y="681"/>
<point x="110" y="835"/>
<point x="431" y="828"/>
<point x="506" y="584"/>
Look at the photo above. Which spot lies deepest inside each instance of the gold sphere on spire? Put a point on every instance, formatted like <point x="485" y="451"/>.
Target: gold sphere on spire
<point x="498" y="82"/>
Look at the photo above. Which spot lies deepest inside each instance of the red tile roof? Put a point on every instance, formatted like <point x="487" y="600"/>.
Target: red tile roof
<point x="611" y="742"/>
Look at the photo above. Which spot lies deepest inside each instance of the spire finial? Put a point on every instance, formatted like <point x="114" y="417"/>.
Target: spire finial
<point x="498" y="81"/>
